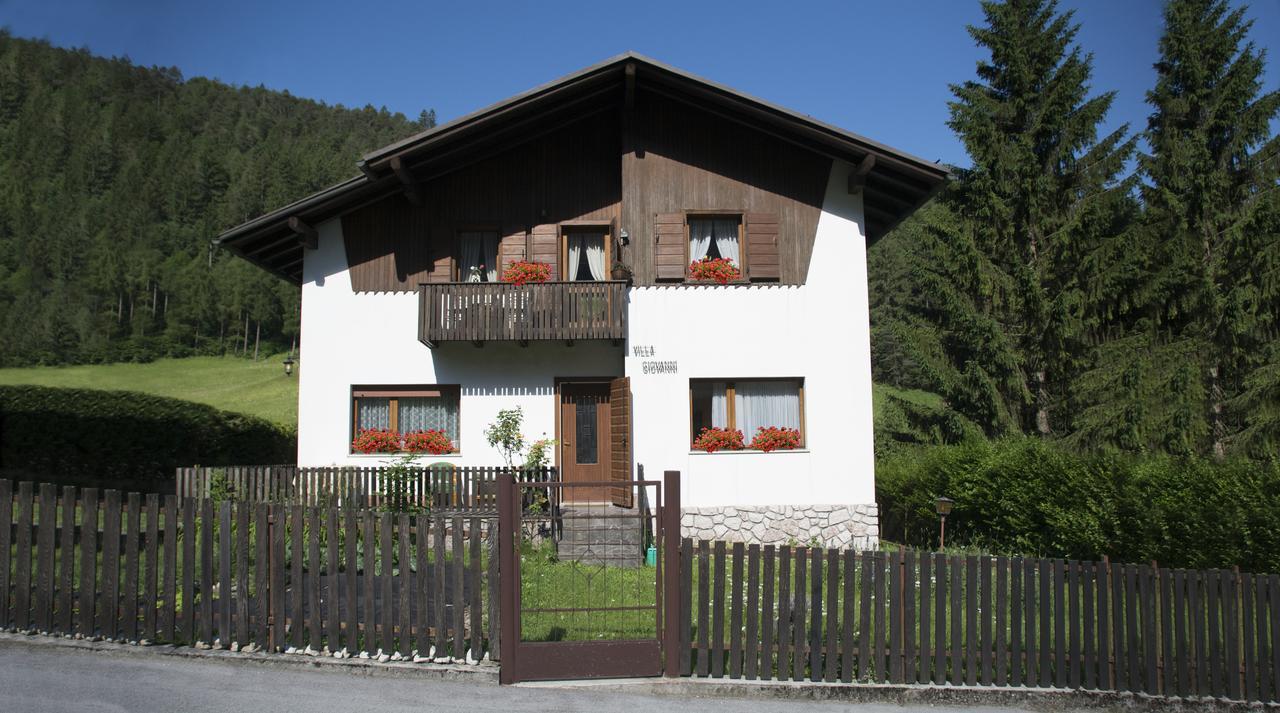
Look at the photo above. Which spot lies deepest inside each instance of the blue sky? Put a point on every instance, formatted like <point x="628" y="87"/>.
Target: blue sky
<point x="881" y="69"/>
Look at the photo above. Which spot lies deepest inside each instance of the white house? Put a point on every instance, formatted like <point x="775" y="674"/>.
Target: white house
<point x="407" y="324"/>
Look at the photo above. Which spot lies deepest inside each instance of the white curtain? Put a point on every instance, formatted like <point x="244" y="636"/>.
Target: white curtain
<point x="595" y="255"/>
<point x="766" y="403"/>
<point x="719" y="405"/>
<point x="427" y="413"/>
<point x="592" y="248"/>
<point x="373" y="413"/>
<point x="700" y="235"/>
<point x="479" y="250"/>
<point x="726" y="237"/>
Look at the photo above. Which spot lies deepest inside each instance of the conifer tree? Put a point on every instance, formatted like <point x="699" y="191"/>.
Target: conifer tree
<point x="1041" y="200"/>
<point x="1190" y="372"/>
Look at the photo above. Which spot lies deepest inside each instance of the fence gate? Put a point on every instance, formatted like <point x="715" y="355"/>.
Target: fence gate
<point x="584" y="583"/>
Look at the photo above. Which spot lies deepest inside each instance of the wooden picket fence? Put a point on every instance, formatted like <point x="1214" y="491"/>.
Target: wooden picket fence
<point x="798" y="613"/>
<point x="451" y="489"/>
<point x="132" y="567"/>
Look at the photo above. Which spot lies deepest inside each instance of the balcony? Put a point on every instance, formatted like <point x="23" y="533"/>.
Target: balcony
<point x="480" y="312"/>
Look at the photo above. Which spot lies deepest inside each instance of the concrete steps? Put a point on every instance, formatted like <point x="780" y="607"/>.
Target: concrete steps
<point x="601" y="533"/>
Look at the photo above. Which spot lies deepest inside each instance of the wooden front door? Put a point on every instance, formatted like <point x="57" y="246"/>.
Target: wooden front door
<point x="585" y="441"/>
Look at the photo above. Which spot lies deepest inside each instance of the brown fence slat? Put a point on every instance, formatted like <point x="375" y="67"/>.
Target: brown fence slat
<point x="241" y="636"/>
<point x="423" y="594"/>
<point x="704" y="608"/>
<point x="438" y="612"/>
<point x="207" y="572"/>
<point x="262" y="574"/>
<point x="1148" y="594"/>
<point x="735" y="613"/>
<point x="1250" y="655"/>
<point x="312" y="581"/>
<point x="1090" y="675"/>
<point x="169" y="571"/>
<point x="924" y="672"/>
<point x="815" y="614"/>
<point x="295" y="619"/>
<point x="939" y="619"/>
<point x="21" y="615"/>
<point x="493" y="582"/>
<point x="1073" y="617"/>
<point x="1044" y="665"/>
<point x="111" y="565"/>
<point x="1001" y="661"/>
<point x="277" y="529"/>
<point x="404" y="579"/>
<point x="1059" y="624"/>
<point x="225" y="584"/>
<point x="767" y="622"/>
<point x="44" y="575"/>
<point x="849" y="582"/>
<point x="971" y="630"/>
<point x="1260" y="622"/>
<point x="832" y="669"/>
<point x="67" y="557"/>
<point x="456" y="590"/>
<point x="6" y="545"/>
<point x="799" y="614"/>
<point x="686" y="607"/>
<point x="129" y="600"/>
<point x="896" y="593"/>
<point x="1016" y="593"/>
<point x="956" y="674"/>
<point x="878" y="614"/>
<point x="751" y="648"/>
<point x="782" y="632"/>
<point x="473" y="562"/>
<point x="1231" y="632"/>
<point x="717" y="610"/>
<point x="1273" y="599"/>
<point x="87" y="620"/>
<point x="151" y="585"/>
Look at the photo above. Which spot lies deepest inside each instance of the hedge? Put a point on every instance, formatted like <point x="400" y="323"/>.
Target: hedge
<point x="1025" y="496"/>
<point x="125" y="440"/>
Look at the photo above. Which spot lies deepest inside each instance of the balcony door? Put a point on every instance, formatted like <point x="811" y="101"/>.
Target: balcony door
<point x="585" y="254"/>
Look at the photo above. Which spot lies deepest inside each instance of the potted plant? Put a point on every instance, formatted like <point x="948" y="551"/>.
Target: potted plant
<point x="434" y="441"/>
<point x="376" y="440"/>
<point x="775" y="438"/>
<point x="718" y="439"/>
<point x="621" y="271"/>
<point x="719" y="270"/>
<point x="525" y="271"/>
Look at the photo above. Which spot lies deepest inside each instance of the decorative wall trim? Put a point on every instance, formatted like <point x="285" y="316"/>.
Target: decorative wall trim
<point x="842" y="526"/>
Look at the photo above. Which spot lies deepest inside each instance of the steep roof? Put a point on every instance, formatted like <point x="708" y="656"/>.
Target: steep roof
<point x="894" y="183"/>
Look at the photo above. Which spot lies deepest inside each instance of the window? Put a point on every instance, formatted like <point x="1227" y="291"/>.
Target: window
<point x="746" y="405"/>
<point x="405" y="409"/>
<point x="586" y="255"/>
<point x="478" y="256"/>
<point x="716" y="236"/>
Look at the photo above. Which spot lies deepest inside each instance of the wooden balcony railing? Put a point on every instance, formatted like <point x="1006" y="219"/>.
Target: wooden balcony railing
<point x="499" y="311"/>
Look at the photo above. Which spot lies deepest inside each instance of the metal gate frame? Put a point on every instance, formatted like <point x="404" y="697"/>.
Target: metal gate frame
<point x="565" y="660"/>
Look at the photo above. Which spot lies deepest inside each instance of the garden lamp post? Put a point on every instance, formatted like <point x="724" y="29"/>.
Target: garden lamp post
<point x="288" y="366"/>
<point x="943" y="506"/>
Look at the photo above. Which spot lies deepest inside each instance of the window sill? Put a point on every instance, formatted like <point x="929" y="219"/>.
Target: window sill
<point x="402" y="453"/>
<point x="747" y="451"/>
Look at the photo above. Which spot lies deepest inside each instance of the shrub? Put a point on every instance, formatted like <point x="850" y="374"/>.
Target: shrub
<point x="720" y="270"/>
<point x="126" y="440"/>
<point x="1025" y="496"/>
<point x="434" y="441"/>
<point x="376" y="440"/>
<point x="522" y="272"/>
<point x="718" y="439"/>
<point x="775" y="438"/>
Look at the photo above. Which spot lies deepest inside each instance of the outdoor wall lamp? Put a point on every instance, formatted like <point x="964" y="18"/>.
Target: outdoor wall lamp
<point x="943" y="506"/>
<point x="288" y="366"/>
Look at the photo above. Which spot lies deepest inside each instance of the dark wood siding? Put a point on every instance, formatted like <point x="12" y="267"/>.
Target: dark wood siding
<point x="689" y="159"/>
<point x="572" y="173"/>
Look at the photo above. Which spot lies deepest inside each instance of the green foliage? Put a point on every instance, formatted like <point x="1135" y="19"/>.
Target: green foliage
<point x="396" y="480"/>
<point x="113" y="180"/>
<point x="1022" y="495"/>
<point x="125" y="440"/>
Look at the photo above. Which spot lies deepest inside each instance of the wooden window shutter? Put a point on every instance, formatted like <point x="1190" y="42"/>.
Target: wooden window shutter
<point x="544" y="246"/>
<point x="762" y="246"/>
<point x="620" y="441"/>
<point x="669" y="249"/>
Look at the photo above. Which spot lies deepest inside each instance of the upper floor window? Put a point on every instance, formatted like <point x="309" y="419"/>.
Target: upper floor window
<point x="478" y="256"/>
<point x="586" y="255"/>
<point x="718" y="236"/>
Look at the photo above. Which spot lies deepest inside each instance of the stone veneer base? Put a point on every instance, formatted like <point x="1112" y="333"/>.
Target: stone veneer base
<point x="843" y="526"/>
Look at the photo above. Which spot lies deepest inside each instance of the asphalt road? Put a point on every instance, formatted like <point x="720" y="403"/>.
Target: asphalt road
<point x="42" y="679"/>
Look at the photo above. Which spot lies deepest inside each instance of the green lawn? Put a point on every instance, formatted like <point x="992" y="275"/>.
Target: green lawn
<point x="231" y="383"/>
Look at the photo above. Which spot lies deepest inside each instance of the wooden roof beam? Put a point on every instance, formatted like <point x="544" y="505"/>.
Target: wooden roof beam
<point x="412" y="189"/>
<point x="858" y="178"/>
<point x="307" y="235"/>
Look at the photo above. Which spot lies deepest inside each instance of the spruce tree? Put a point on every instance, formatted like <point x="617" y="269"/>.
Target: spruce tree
<point x="1197" y="364"/>
<point x="1040" y="202"/>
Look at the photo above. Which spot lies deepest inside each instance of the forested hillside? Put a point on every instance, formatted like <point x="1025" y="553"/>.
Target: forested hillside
<point x="113" y="180"/>
<point x="1051" y="292"/>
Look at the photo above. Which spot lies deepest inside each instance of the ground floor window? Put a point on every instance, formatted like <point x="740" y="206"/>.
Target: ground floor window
<point x="396" y="418"/>
<point x="746" y="405"/>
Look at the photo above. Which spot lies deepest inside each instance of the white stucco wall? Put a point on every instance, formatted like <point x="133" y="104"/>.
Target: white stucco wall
<point x="372" y="338"/>
<point x="819" y="331"/>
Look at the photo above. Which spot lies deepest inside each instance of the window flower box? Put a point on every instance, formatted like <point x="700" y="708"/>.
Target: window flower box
<point x="775" y="438"/>
<point x="376" y="440"/>
<point x="718" y="439"/>
<point x="434" y="441"/>
<point x="524" y="272"/>
<point x="719" y="270"/>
